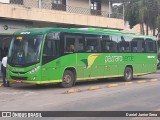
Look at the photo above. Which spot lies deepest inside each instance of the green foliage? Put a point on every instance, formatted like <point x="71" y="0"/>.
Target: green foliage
<point x="130" y="15"/>
<point x="143" y="12"/>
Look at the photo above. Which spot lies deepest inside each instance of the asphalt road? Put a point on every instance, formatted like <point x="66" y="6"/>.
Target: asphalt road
<point x="142" y="94"/>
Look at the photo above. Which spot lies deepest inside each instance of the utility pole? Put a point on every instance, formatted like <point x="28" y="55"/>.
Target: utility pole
<point x="39" y="3"/>
<point x="109" y="8"/>
<point x="123" y="8"/>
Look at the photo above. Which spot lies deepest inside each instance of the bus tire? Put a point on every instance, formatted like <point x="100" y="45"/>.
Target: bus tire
<point x="68" y="79"/>
<point x="128" y="74"/>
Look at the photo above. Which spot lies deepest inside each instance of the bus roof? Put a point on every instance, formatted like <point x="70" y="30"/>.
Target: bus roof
<point x="97" y="31"/>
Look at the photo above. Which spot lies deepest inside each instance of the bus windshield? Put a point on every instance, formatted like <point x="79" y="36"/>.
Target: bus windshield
<point x="25" y="50"/>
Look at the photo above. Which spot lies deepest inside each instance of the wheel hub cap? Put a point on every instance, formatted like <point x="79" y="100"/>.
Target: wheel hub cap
<point x="67" y="78"/>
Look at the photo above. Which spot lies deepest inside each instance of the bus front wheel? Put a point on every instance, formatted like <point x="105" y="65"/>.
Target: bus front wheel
<point x="128" y="74"/>
<point x="68" y="79"/>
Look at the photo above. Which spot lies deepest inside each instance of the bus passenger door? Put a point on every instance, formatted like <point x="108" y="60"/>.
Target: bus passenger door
<point x="50" y="60"/>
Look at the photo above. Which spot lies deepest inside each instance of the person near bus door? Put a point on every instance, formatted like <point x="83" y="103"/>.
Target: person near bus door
<point x="3" y="70"/>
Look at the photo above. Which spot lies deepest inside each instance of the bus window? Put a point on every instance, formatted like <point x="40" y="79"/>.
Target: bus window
<point x="137" y="45"/>
<point x="47" y="48"/>
<point x="92" y="43"/>
<point x="123" y="44"/>
<point x="106" y="43"/>
<point x="69" y="44"/>
<point x="51" y="48"/>
<point x="150" y="46"/>
<point x="113" y="45"/>
<point x="81" y="44"/>
<point x="134" y="45"/>
<point x="128" y="43"/>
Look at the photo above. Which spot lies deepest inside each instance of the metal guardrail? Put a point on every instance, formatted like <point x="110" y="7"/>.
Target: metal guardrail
<point x="46" y="4"/>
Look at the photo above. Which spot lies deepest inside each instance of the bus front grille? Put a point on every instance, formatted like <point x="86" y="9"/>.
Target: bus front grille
<point x="19" y="72"/>
<point x="18" y="78"/>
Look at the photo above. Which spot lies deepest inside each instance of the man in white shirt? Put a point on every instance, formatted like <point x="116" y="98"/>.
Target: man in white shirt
<point x="3" y="69"/>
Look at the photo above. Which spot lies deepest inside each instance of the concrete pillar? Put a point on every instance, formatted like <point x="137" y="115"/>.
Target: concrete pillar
<point x="89" y="6"/>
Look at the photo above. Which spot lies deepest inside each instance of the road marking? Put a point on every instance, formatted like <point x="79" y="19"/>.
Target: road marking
<point x="153" y="80"/>
<point x="141" y="81"/>
<point x="128" y="83"/>
<point x="93" y="88"/>
<point x="112" y="85"/>
<point x="109" y="86"/>
<point x="72" y="91"/>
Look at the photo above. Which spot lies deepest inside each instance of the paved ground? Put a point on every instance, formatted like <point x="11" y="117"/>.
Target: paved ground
<point x="111" y="95"/>
<point x="104" y="95"/>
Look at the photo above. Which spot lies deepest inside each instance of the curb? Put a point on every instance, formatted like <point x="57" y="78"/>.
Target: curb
<point x="72" y="91"/>
<point x="92" y="88"/>
<point x="141" y="81"/>
<point x="153" y="80"/>
<point x="112" y="85"/>
<point x="128" y="83"/>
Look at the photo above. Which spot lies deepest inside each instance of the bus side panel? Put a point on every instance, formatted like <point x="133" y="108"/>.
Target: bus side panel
<point x="90" y="66"/>
<point x="112" y="61"/>
<point x="127" y="59"/>
<point x="67" y="61"/>
<point x="51" y="71"/>
<point x="81" y="65"/>
<point x="150" y="62"/>
<point x="144" y="63"/>
<point x="96" y="65"/>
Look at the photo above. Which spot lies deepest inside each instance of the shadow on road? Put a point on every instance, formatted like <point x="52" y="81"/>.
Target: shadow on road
<point x="88" y="83"/>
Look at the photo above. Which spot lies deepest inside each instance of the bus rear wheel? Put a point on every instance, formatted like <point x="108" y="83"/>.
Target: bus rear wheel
<point x="68" y="79"/>
<point x="128" y="74"/>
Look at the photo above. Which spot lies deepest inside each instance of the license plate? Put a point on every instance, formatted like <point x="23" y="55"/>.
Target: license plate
<point x="18" y="81"/>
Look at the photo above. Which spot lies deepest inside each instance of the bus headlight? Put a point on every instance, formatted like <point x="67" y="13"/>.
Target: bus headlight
<point x="34" y="70"/>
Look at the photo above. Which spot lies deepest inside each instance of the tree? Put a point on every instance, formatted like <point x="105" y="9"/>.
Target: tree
<point x="158" y="24"/>
<point x="143" y="12"/>
<point x="152" y="6"/>
<point x="135" y="13"/>
<point x="131" y="14"/>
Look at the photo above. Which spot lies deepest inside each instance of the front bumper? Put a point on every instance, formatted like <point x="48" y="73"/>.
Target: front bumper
<point x="34" y="82"/>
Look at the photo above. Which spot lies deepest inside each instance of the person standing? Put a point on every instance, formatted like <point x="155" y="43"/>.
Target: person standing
<point x="3" y="69"/>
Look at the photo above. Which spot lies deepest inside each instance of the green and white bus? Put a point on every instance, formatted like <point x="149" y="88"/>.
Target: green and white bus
<point x="67" y="55"/>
